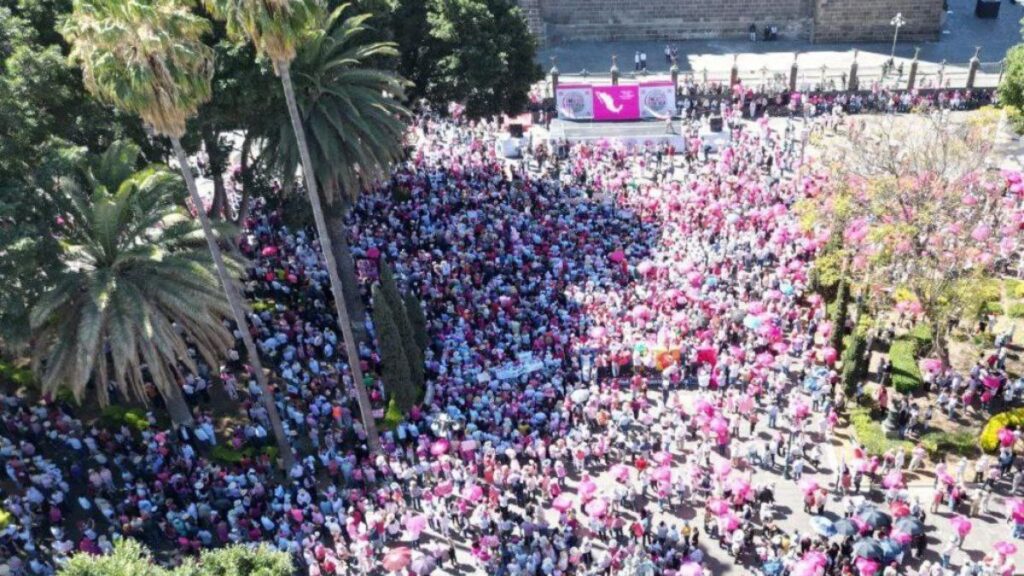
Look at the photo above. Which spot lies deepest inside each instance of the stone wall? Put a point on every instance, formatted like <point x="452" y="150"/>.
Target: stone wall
<point x="556" y="21"/>
<point x="868" y="20"/>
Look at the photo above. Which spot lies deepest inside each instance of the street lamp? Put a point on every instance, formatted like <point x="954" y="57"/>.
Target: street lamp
<point x="896" y="22"/>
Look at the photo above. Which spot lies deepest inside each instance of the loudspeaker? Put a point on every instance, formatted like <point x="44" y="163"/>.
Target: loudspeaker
<point x="987" y="9"/>
<point x="515" y="130"/>
<point x="716" y="123"/>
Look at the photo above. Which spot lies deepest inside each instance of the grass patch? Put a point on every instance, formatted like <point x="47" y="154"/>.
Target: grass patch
<point x="870" y="434"/>
<point x="989" y="439"/>
<point x="961" y="442"/>
<point x="994" y="308"/>
<point x="228" y="455"/>
<point x="984" y="340"/>
<point x="906" y="376"/>
<point x="1014" y="288"/>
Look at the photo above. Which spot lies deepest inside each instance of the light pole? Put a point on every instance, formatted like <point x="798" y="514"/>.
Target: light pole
<point x="896" y="22"/>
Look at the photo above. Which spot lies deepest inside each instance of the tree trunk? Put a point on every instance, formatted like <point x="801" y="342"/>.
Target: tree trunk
<point x="246" y="182"/>
<point x="940" y="342"/>
<point x="332" y="266"/>
<point x="346" y="267"/>
<point x="177" y="408"/>
<point x="231" y="292"/>
<point x="215" y="158"/>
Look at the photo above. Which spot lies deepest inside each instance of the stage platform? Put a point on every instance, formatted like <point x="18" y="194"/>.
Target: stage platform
<point x="638" y="133"/>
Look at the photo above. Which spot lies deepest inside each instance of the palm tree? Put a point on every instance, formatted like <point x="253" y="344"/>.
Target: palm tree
<point x="275" y="27"/>
<point x="146" y="58"/>
<point x="137" y="281"/>
<point x="354" y="123"/>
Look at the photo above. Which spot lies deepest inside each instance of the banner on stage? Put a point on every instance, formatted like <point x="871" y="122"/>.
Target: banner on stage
<point x="616" y="102"/>
<point x="657" y="100"/>
<point x="576" y="102"/>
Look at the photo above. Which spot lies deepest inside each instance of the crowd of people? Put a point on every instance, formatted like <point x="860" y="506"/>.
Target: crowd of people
<point x="619" y="340"/>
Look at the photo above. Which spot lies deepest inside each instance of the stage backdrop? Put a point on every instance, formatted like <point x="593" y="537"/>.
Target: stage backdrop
<point x="576" y="102"/>
<point x="611" y="103"/>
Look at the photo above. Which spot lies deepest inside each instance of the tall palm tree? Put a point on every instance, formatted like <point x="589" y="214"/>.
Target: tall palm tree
<point x="275" y="27"/>
<point x="137" y="280"/>
<point x="354" y="122"/>
<point x="146" y="58"/>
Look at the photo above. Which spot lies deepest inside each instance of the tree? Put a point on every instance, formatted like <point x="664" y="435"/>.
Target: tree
<point x="1011" y="88"/>
<point x="135" y="282"/>
<point x="146" y="58"/>
<point x="129" y="558"/>
<point x="413" y="353"/>
<point x="398" y="379"/>
<point x="414" y="311"/>
<point x="923" y="215"/>
<point x="354" y="121"/>
<point x="275" y="27"/>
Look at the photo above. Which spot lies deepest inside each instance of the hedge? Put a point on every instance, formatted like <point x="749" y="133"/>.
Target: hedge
<point x="117" y="416"/>
<point x="989" y="440"/>
<point x="994" y="308"/>
<point x="961" y="442"/>
<point x="923" y="334"/>
<point x="855" y="362"/>
<point x="870" y="434"/>
<point x="906" y="376"/>
<point x="227" y="455"/>
<point x="839" y="315"/>
<point x="5" y="518"/>
<point x="1017" y="310"/>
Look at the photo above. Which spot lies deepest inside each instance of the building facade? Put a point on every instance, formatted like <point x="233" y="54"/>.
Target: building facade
<point x="556" y="21"/>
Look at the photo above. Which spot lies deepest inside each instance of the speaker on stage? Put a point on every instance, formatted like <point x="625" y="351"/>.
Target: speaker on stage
<point x="987" y="9"/>
<point x="515" y="130"/>
<point x="716" y="123"/>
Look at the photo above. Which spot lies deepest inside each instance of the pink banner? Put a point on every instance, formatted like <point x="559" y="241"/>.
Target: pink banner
<point x="616" y="102"/>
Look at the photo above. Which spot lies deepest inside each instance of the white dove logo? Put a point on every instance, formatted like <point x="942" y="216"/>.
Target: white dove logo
<point x="609" y="102"/>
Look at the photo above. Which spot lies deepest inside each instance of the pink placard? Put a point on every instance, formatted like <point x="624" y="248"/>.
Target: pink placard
<point x="616" y="102"/>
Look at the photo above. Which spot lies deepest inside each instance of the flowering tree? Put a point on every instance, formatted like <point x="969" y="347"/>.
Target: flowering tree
<point x="922" y="213"/>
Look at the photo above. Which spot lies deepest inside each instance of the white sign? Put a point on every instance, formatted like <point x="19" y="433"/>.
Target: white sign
<point x="575" y="101"/>
<point x="516" y="370"/>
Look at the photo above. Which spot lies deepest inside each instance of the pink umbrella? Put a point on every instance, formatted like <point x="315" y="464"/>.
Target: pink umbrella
<point x="269" y="251"/>
<point x="397" y="559"/>
<point x="663" y="474"/>
<point x="439" y="447"/>
<point x="620" y="472"/>
<point x="690" y="569"/>
<point x="416" y="524"/>
<point x="817" y="557"/>
<point x="663" y="458"/>
<point x="718" y="424"/>
<point x="562" y="502"/>
<point x="587" y="487"/>
<point x="443" y="489"/>
<point x="893" y="480"/>
<point x="808" y="485"/>
<point x="829" y="354"/>
<point x="473" y="493"/>
<point x="899" y="509"/>
<point x="901" y="538"/>
<point x="722" y="468"/>
<point x="1005" y="548"/>
<point x="931" y="365"/>
<point x="597" y="508"/>
<point x="806" y="568"/>
<point x="867" y="567"/>
<point x="961" y="524"/>
<point x="1006" y="437"/>
<point x="946" y="478"/>
<point x="990" y="382"/>
<point x="731" y="522"/>
<point x="1017" y="511"/>
<point x="718" y="507"/>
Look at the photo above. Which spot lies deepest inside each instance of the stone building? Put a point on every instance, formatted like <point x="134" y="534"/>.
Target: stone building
<point x="555" y="21"/>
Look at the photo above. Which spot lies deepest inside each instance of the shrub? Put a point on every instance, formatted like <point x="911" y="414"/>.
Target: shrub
<point x="5" y="518"/>
<point x="961" y="442"/>
<point x="855" y="362"/>
<point x="839" y="315"/>
<point x="870" y="434"/>
<point x="923" y="334"/>
<point x="1013" y="287"/>
<point x="225" y="454"/>
<point x="993" y="308"/>
<point x="392" y="417"/>
<point x="989" y="439"/>
<point x="115" y="416"/>
<point x="906" y="376"/>
<point x="9" y="373"/>
<point x="1016" y="310"/>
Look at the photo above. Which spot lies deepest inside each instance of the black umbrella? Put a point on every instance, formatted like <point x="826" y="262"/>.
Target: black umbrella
<point x="868" y="548"/>
<point x="876" y="519"/>
<point x="910" y="525"/>
<point x="845" y="527"/>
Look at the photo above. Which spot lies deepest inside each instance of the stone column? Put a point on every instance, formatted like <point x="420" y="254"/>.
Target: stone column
<point x="793" y="72"/>
<point x="972" y="70"/>
<point x="615" y="70"/>
<point x="734" y="74"/>
<point x="554" y="77"/>
<point x="674" y="71"/>
<point x="913" y="70"/>
<point x="852" y="82"/>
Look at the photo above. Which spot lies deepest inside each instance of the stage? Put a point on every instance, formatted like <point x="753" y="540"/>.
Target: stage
<point x="634" y="133"/>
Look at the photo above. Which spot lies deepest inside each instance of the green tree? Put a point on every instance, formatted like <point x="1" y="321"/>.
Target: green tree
<point x="479" y="52"/>
<point x="395" y="366"/>
<point x="129" y="558"/>
<point x="414" y="311"/>
<point x="136" y="281"/>
<point x="275" y="28"/>
<point x="354" y="121"/>
<point x="413" y="353"/>
<point x="1011" y="88"/>
<point x="146" y="58"/>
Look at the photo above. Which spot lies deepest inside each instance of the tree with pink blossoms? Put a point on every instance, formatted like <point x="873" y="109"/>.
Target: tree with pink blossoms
<point x="920" y="216"/>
